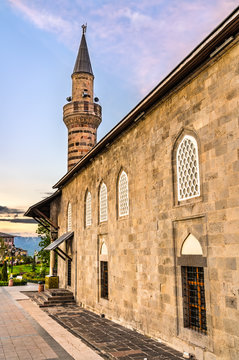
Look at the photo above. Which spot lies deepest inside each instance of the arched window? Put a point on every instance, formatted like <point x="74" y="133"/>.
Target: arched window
<point x="188" y="168"/>
<point x="123" y="194"/>
<point x="191" y="246"/>
<point x="103" y="203"/>
<point x="104" y="250"/>
<point x="69" y="218"/>
<point x="104" y="292"/>
<point x="88" y="209"/>
<point x="193" y="291"/>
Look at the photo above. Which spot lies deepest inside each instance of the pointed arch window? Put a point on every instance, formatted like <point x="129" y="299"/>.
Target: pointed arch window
<point x="188" y="179"/>
<point x="88" y="215"/>
<point x="193" y="286"/>
<point x="123" y="191"/>
<point x="69" y="217"/>
<point x="103" y="203"/>
<point x="104" y="291"/>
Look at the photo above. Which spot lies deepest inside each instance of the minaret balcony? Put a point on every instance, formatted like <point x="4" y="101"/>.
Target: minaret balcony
<point x="86" y="107"/>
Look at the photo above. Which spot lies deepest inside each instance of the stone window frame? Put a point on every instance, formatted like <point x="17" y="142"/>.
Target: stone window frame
<point x="178" y="139"/>
<point x="100" y="221"/>
<point x="102" y="257"/>
<point x="185" y="333"/>
<point x="69" y="217"/>
<point x="119" y="215"/>
<point x="85" y="208"/>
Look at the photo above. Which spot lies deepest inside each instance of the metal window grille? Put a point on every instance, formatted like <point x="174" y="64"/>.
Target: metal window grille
<point x="123" y="195"/>
<point x="69" y="218"/>
<point x="88" y="209"/>
<point x="103" y="203"/>
<point x="69" y="272"/>
<point x="188" y="169"/>
<point x="194" y="305"/>
<point x="104" y="279"/>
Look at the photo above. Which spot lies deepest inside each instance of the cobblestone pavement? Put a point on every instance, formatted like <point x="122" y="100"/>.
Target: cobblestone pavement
<point x="110" y="340"/>
<point x="22" y="338"/>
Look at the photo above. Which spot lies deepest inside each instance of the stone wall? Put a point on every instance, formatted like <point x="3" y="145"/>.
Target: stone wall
<point x="145" y="290"/>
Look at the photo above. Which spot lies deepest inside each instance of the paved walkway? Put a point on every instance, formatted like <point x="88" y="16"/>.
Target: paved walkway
<point x="68" y="332"/>
<point x="27" y="333"/>
<point x="111" y="340"/>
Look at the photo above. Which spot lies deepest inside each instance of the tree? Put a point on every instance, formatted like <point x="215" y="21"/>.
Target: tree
<point x="45" y="241"/>
<point x="4" y="272"/>
<point x="3" y="248"/>
<point x="33" y="264"/>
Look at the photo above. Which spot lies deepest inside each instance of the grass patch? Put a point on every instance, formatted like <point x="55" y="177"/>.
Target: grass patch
<point x="27" y="268"/>
<point x="24" y="268"/>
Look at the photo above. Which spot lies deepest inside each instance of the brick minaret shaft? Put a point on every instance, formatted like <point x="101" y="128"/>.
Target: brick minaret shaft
<point x="82" y="115"/>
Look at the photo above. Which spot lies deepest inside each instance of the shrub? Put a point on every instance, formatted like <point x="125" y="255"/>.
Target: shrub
<point x="30" y="275"/>
<point x="3" y="283"/>
<point x="35" y="281"/>
<point x="18" y="282"/>
<point x="4" y="272"/>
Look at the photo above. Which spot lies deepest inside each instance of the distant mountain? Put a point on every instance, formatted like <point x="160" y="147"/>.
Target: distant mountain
<point x="27" y="243"/>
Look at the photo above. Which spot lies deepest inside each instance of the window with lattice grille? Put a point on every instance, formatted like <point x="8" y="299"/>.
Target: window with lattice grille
<point x="194" y="305"/>
<point x="188" y="169"/>
<point x="123" y="194"/>
<point x="88" y="209"/>
<point x="103" y="203"/>
<point x="69" y="218"/>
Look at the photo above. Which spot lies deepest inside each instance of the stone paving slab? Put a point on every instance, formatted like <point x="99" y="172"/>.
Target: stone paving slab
<point x="22" y="338"/>
<point x="72" y="344"/>
<point x="111" y="340"/>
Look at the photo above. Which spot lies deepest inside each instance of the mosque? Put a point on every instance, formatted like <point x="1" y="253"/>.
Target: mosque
<point x="145" y="221"/>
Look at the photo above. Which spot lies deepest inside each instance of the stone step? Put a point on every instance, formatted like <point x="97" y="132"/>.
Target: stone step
<point x="54" y="297"/>
<point x="41" y="302"/>
<point x="57" y="298"/>
<point x="58" y="292"/>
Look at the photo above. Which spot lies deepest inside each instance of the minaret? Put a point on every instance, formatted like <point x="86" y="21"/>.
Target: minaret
<point x="82" y="115"/>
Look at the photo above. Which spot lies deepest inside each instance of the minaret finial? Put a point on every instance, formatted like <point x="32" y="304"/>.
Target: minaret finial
<point x="84" y="27"/>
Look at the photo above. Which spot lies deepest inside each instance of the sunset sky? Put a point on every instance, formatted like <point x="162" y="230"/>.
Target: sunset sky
<point x="133" y="45"/>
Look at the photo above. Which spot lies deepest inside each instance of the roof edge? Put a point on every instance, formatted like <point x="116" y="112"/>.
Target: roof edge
<point x="198" y="55"/>
<point x="42" y="202"/>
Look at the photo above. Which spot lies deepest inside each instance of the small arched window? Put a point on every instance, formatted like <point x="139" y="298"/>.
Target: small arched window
<point x="103" y="203"/>
<point x="188" y="180"/>
<point x="69" y="218"/>
<point x="123" y="192"/>
<point x="88" y="209"/>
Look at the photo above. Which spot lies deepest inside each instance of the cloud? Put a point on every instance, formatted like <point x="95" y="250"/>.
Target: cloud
<point x="7" y="210"/>
<point x="44" y="19"/>
<point x="143" y="40"/>
<point x="19" y="220"/>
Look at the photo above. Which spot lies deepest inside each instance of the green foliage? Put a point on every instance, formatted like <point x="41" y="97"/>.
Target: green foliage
<point x="19" y="282"/>
<point x="35" y="281"/>
<point x="45" y="241"/>
<point x="3" y="283"/>
<point x="27" y="260"/>
<point x="27" y="270"/>
<point x="2" y="249"/>
<point x="4" y="276"/>
<point x="33" y="264"/>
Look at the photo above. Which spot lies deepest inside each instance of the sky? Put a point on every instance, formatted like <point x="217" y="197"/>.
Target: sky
<point x="133" y="45"/>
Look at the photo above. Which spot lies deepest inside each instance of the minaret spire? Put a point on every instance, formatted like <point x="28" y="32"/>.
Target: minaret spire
<point x="82" y="115"/>
<point x="84" y="27"/>
<point x="83" y="63"/>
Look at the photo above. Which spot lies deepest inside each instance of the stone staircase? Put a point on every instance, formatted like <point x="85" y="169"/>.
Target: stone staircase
<point x="54" y="297"/>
